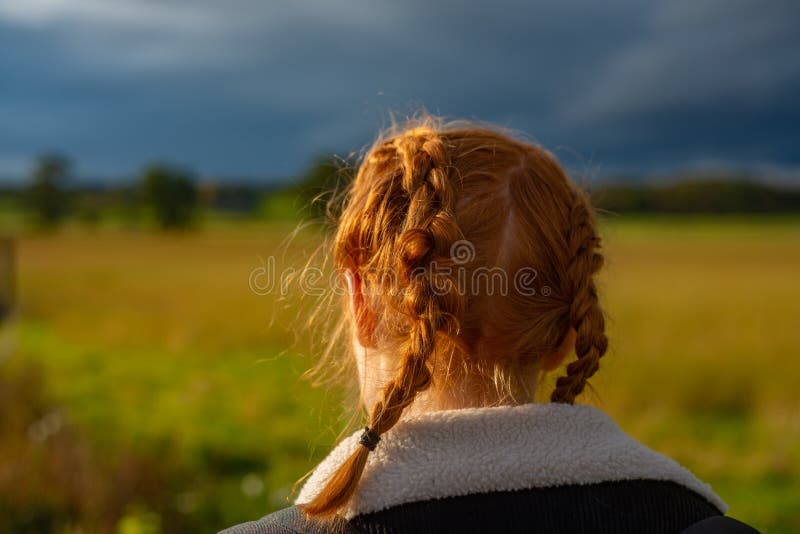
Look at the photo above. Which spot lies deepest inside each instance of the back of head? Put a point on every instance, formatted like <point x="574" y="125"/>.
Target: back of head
<point x="476" y="256"/>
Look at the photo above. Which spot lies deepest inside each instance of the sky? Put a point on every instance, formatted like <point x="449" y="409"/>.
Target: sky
<point x="253" y="89"/>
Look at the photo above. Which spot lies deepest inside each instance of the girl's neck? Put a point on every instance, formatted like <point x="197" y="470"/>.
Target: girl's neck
<point x="467" y="390"/>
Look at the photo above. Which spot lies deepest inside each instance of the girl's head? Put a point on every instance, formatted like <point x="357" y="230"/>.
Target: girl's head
<point x="470" y="258"/>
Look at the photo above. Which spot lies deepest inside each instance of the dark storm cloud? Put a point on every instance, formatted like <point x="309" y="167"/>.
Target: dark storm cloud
<point x="708" y="80"/>
<point x="253" y="88"/>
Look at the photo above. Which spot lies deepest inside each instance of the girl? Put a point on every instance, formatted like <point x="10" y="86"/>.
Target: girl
<point x="470" y="260"/>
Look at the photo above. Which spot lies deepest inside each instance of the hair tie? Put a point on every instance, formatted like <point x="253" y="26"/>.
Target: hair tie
<point x="369" y="439"/>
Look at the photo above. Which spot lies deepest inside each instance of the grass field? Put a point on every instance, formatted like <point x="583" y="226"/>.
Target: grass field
<point x="162" y="394"/>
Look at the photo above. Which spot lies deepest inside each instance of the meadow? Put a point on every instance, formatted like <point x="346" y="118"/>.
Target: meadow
<point x="145" y="386"/>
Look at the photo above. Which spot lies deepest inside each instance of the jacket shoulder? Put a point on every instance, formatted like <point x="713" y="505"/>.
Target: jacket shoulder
<point x="289" y="520"/>
<point x="629" y="506"/>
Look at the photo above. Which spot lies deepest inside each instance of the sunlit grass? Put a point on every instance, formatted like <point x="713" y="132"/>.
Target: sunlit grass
<point x="158" y="342"/>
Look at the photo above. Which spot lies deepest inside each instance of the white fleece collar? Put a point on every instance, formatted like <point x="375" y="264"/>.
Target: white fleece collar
<point x="477" y="450"/>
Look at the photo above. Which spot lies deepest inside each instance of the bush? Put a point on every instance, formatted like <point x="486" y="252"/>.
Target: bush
<point x="46" y="195"/>
<point x="172" y="195"/>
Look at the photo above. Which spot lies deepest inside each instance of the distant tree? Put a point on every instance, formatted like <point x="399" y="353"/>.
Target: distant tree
<point x="172" y="195"/>
<point x="321" y="180"/>
<point x="698" y="195"/>
<point x="46" y="194"/>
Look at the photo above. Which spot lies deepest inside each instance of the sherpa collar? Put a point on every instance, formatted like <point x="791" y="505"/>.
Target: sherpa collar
<point x="478" y="450"/>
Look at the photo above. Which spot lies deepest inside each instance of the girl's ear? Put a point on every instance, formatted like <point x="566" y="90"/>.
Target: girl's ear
<point x="554" y="361"/>
<point x="363" y="316"/>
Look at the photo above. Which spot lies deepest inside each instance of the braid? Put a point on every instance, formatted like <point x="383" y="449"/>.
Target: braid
<point x="586" y="316"/>
<point x="401" y="219"/>
<point x="423" y="228"/>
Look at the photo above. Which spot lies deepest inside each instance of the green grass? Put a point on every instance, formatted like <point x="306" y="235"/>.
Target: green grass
<point x="217" y="417"/>
<point x="162" y="356"/>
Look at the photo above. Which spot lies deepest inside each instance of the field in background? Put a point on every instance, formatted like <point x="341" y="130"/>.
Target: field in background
<point x="167" y="391"/>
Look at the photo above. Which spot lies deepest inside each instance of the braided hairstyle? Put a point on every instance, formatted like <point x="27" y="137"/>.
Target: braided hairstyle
<point x="586" y="316"/>
<point x="420" y="190"/>
<point x="399" y="221"/>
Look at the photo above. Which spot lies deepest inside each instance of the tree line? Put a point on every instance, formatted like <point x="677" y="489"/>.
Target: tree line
<point x="171" y="196"/>
<point x="698" y="195"/>
<point x="168" y="192"/>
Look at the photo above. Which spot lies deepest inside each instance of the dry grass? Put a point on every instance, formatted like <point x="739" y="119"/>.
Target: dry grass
<point x="147" y="337"/>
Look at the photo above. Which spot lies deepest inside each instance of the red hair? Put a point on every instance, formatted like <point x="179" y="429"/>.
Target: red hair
<point x="422" y="191"/>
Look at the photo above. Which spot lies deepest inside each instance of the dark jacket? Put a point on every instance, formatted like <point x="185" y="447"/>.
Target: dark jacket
<point x="530" y="468"/>
<point x="642" y="506"/>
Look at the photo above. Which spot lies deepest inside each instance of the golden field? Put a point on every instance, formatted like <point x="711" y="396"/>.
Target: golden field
<point x="157" y="357"/>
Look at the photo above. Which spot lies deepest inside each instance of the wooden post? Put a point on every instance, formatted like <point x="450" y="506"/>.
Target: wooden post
<point x="7" y="279"/>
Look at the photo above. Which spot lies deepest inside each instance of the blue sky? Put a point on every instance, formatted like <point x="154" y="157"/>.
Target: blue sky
<point x="255" y="89"/>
